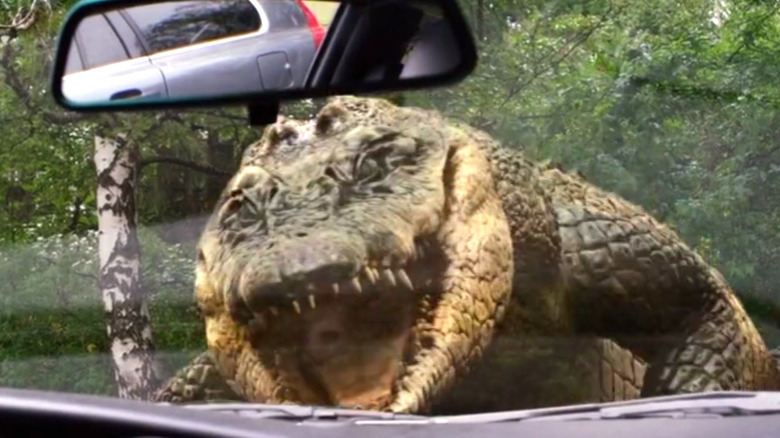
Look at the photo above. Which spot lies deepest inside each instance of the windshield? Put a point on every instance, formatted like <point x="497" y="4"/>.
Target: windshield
<point x="623" y="243"/>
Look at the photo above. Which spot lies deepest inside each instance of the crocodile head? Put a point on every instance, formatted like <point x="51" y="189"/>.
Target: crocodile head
<point x="361" y="258"/>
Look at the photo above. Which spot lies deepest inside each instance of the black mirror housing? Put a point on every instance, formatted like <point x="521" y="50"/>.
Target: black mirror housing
<point x="127" y="55"/>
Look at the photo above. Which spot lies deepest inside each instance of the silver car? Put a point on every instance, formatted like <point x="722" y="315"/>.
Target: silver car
<point x="186" y="48"/>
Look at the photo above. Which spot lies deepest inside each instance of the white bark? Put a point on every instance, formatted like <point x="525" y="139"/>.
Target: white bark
<point x="127" y="315"/>
<point x="720" y="12"/>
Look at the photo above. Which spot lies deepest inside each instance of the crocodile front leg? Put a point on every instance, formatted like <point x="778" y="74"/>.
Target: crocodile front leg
<point x="722" y="351"/>
<point x="634" y="280"/>
<point x="524" y="371"/>
<point x="198" y="381"/>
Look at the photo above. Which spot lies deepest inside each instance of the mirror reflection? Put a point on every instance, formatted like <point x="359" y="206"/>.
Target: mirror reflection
<point x="218" y="48"/>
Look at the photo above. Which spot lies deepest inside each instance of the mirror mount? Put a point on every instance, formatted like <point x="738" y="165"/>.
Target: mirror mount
<point x="263" y="113"/>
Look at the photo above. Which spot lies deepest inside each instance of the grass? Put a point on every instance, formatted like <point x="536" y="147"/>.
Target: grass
<point x="68" y="350"/>
<point x="52" y="324"/>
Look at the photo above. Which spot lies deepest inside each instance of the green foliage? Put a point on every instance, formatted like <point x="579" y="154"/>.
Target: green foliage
<point x="652" y="100"/>
<point x="51" y="315"/>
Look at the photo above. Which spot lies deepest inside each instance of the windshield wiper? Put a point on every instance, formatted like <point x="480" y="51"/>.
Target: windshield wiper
<point x="298" y="413"/>
<point x="700" y="405"/>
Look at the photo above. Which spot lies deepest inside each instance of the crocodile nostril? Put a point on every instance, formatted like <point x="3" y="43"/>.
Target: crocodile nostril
<point x="229" y="209"/>
<point x="272" y="193"/>
<point x="331" y="173"/>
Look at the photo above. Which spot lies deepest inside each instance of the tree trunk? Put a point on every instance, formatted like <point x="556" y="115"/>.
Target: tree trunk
<point x="221" y="155"/>
<point x="127" y="315"/>
<point x="480" y="21"/>
<point x="720" y="12"/>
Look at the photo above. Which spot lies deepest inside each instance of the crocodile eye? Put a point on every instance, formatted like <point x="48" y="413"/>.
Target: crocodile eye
<point x="373" y="165"/>
<point x="203" y="311"/>
<point x="368" y="170"/>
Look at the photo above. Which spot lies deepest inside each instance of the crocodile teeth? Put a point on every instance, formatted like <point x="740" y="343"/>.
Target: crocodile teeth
<point x="401" y="274"/>
<point x="297" y="307"/>
<point x="335" y="287"/>
<point x="355" y="283"/>
<point x="388" y="276"/>
<point x="371" y="274"/>
<point x="420" y="251"/>
<point x="312" y="302"/>
<point x="274" y="311"/>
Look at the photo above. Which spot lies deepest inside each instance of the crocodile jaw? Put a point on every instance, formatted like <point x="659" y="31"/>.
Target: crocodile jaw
<point x="352" y="367"/>
<point x="346" y="345"/>
<point x="349" y="344"/>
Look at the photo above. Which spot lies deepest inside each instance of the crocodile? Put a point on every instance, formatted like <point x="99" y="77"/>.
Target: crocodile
<point x="390" y="258"/>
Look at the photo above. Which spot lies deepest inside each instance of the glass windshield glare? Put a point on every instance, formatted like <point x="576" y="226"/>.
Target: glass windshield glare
<point x="642" y="219"/>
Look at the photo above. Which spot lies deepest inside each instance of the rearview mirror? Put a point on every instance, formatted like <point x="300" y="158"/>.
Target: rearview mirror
<point x="122" y="55"/>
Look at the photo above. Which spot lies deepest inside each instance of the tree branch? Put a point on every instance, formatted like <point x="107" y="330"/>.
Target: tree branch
<point x="24" y="17"/>
<point x="758" y="24"/>
<point x="517" y="88"/>
<point x="54" y="262"/>
<point x="209" y="170"/>
<point x="23" y="20"/>
<point x="74" y="221"/>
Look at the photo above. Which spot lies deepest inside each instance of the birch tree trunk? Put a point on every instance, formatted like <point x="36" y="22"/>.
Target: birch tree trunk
<point x="127" y="315"/>
<point x="720" y="12"/>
